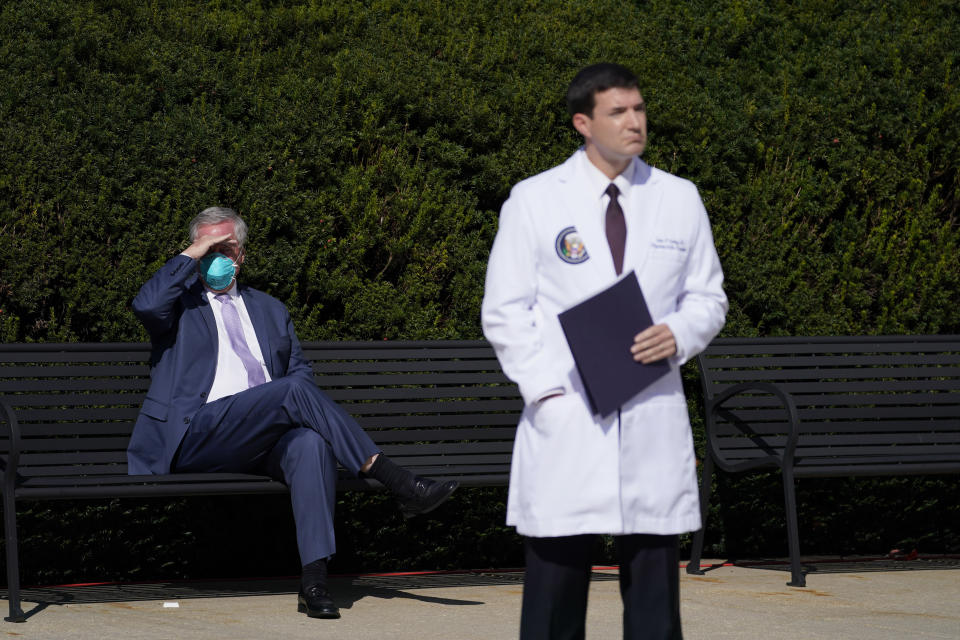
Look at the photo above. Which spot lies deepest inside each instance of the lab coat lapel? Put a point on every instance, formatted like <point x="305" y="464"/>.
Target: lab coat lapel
<point x="644" y="209"/>
<point x="577" y="195"/>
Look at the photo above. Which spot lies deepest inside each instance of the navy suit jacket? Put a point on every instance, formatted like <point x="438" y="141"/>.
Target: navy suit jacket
<point x="183" y="334"/>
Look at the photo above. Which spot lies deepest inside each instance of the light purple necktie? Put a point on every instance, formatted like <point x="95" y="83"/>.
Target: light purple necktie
<point x="231" y="320"/>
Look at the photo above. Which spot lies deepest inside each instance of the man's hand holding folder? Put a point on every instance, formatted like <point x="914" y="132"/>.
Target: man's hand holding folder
<point x="653" y="343"/>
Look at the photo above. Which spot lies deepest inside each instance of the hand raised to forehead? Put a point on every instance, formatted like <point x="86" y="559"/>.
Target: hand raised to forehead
<point x="202" y="245"/>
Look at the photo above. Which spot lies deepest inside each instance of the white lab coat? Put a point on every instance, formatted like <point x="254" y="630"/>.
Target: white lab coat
<point x="572" y="472"/>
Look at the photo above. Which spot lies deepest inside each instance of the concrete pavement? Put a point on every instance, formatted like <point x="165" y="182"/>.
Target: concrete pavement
<point x="848" y="600"/>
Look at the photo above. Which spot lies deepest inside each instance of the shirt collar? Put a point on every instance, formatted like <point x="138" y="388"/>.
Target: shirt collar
<point x="600" y="181"/>
<point x="232" y="291"/>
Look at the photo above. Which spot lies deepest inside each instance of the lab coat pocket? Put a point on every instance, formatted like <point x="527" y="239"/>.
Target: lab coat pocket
<point x="668" y="258"/>
<point x="664" y="268"/>
<point x="656" y="438"/>
<point x="664" y="253"/>
<point x="549" y="415"/>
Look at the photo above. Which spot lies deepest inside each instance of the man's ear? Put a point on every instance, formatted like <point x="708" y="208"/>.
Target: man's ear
<point x="582" y="122"/>
<point x="243" y="254"/>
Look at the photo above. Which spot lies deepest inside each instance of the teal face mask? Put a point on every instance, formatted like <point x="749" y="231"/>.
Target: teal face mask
<point x="217" y="271"/>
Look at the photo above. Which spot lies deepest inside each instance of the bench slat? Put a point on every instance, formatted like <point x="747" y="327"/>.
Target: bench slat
<point x="152" y="491"/>
<point x="93" y="371"/>
<point x="172" y="478"/>
<point x="488" y="365"/>
<point x="413" y="355"/>
<point x="844" y="399"/>
<point x="82" y="446"/>
<point x="724" y="428"/>
<point x="832" y="344"/>
<point x="824" y="362"/>
<point x="460" y="427"/>
<point x="775" y="375"/>
<point x="65" y="357"/>
<point x="81" y="451"/>
<point x="840" y="440"/>
<point x="50" y="383"/>
<point x="469" y="476"/>
<point x="357" y="409"/>
<point x="19" y="386"/>
<point x="381" y="436"/>
<point x="880" y="458"/>
<point x="467" y="393"/>
<point x="895" y="468"/>
<point x="39" y="430"/>
<point x="459" y="449"/>
<point x="851" y="386"/>
<point x="839" y="413"/>
<point x="72" y="458"/>
<point x="71" y="400"/>
<point x="854" y="455"/>
<point x="411" y="378"/>
<point x="395" y="408"/>
<point x="319" y="368"/>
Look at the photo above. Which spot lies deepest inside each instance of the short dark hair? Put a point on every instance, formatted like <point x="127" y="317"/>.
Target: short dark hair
<point x="595" y="79"/>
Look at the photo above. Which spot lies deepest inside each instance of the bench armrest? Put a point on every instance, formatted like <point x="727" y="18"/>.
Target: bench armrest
<point x="12" y="432"/>
<point x="715" y="406"/>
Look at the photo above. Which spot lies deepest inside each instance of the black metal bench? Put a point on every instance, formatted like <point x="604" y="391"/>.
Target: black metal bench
<point x="442" y="409"/>
<point x="829" y="407"/>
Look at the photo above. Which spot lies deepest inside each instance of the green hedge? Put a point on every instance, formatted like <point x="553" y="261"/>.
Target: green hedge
<point x="371" y="144"/>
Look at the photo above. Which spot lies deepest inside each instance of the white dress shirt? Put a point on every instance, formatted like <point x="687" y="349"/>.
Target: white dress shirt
<point x="599" y="180"/>
<point x="231" y="376"/>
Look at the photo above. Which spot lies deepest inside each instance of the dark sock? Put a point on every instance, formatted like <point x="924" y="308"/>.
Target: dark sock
<point x="396" y="479"/>
<point x="314" y="573"/>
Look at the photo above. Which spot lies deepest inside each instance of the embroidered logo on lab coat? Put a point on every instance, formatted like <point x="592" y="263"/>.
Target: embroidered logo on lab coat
<point x="570" y="246"/>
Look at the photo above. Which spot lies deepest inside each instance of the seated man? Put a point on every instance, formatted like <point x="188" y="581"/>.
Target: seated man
<point x="231" y="391"/>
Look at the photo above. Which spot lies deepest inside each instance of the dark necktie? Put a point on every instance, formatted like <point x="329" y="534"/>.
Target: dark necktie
<point x="231" y="321"/>
<point x="616" y="228"/>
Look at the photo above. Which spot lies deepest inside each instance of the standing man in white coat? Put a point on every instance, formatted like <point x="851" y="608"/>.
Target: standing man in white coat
<point x="565" y="235"/>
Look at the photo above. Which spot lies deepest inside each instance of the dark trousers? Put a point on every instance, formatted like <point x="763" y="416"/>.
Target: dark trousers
<point x="290" y="430"/>
<point x="558" y="578"/>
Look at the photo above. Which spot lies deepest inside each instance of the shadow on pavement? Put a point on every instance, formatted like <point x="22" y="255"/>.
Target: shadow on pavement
<point x="848" y="565"/>
<point x="346" y="589"/>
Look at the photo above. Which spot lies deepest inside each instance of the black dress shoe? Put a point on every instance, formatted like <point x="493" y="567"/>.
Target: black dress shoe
<point x="427" y="495"/>
<point x="315" y="601"/>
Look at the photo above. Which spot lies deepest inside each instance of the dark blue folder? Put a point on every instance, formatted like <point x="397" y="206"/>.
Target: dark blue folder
<point x="600" y="331"/>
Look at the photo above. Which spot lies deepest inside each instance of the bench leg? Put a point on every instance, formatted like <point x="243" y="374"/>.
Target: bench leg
<point x="793" y="534"/>
<point x="696" y="551"/>
<point x="13" y="563"/>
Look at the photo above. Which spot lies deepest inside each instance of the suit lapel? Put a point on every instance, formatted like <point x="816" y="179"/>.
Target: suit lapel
<point x="203" y="304"/>
<point x="256" y="312"/>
